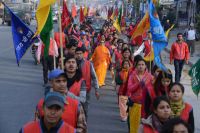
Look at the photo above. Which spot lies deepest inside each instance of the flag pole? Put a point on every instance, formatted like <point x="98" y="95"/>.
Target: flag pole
<point x="150" y="53"/>
<point x="150" y="57"/>
<point x="60" y="30"/>
<point x="54" y="57"/>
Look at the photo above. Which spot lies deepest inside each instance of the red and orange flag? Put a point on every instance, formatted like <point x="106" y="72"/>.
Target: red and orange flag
<point x="81" y="17"/>
<point x="74" y="12"/>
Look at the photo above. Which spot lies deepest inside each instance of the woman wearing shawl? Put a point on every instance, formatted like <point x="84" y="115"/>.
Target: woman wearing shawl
<point x="161" y="114"/>
<point x="139" y="82"/>
<point x="180" y="108"/>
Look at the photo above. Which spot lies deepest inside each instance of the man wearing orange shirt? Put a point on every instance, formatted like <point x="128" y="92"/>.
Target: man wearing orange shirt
<point x="180" y="54"/>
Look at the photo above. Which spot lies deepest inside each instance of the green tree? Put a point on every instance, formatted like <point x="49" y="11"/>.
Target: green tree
<point x="198" y="22"/>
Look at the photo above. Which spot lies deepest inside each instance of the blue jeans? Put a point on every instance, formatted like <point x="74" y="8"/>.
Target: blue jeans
<point x="178" y="64"/>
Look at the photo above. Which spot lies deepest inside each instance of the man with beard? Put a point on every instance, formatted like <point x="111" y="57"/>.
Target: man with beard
<point x="75" y="83"/>
<point x="89" y="75"/>
<point x="180" y="54"/>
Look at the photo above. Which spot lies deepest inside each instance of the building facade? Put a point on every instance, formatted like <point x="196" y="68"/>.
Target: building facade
<point x="185" y="12"/>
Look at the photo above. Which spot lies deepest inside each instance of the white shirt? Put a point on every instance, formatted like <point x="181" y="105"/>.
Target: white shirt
<point x="140" y="49"/>
<point x="191" y="34"/>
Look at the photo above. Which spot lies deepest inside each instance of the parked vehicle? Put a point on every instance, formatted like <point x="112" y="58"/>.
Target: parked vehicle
<point x="22" y="10"/>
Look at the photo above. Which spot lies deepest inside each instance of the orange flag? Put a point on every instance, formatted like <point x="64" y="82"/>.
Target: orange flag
<point x="85" y="10"/>
<point x="74" y="13"/>
<point x="81" y="19"/>
<point x="142" y="27"/>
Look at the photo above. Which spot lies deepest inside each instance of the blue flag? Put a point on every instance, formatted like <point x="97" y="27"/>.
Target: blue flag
<point x="158" y="36"/>
<point x="22" y="36"/>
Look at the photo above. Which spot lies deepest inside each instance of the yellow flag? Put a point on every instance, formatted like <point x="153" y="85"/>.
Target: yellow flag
<point x="167" y="32"/>
<point x="116" y="25"/>
<point x="85" y="11"/>
<point x="150" y="56"/>
<point x="113" y="16"/>
<point x="42" y="13"/>
<point x="142" y="27"/>
<point x="154" y="2"/>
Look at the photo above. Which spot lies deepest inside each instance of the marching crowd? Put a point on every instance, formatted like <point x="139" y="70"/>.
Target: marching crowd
<point x="149" y="101"/>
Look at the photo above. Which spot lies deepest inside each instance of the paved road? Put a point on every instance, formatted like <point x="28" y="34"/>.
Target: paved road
<point x="104" y="114"/>
<point x="21" y="87"/>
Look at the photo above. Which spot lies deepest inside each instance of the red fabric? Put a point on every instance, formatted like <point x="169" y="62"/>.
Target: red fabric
<point x="74" y="12"/>
<point x="179" y="51"/>
<point x="133" y="29"/>
<point x="138" y="40"/>
<point x="123" y="76"/>
<point x="34" y="127"/>
<point x="148" y="129"/>
<point x="110" y="12"/>
<point x="86" y="74"/>
<point x="147" y="49"/>
<point x="76" y="87"/>
<point x="77" y="38"/>
<point x="65" y="16"/>
<point x="57" y="39"/>
<point x="135" y="89"/>
<point x="70" y="111"/>
<point x="107" y="44"/>
<point x="186" y="112"/>
<point x="162" y="90"/>
<point x="51" y="48"/>
<point x="125" y="91"/>
<point x="123" y="22"/>
<point x="82" y="17"/>
<point x="116" y="12"/>
<point x="118" y="55"/>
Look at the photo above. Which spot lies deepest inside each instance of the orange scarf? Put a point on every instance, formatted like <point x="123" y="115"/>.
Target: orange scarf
<point x="124" y="74"/>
